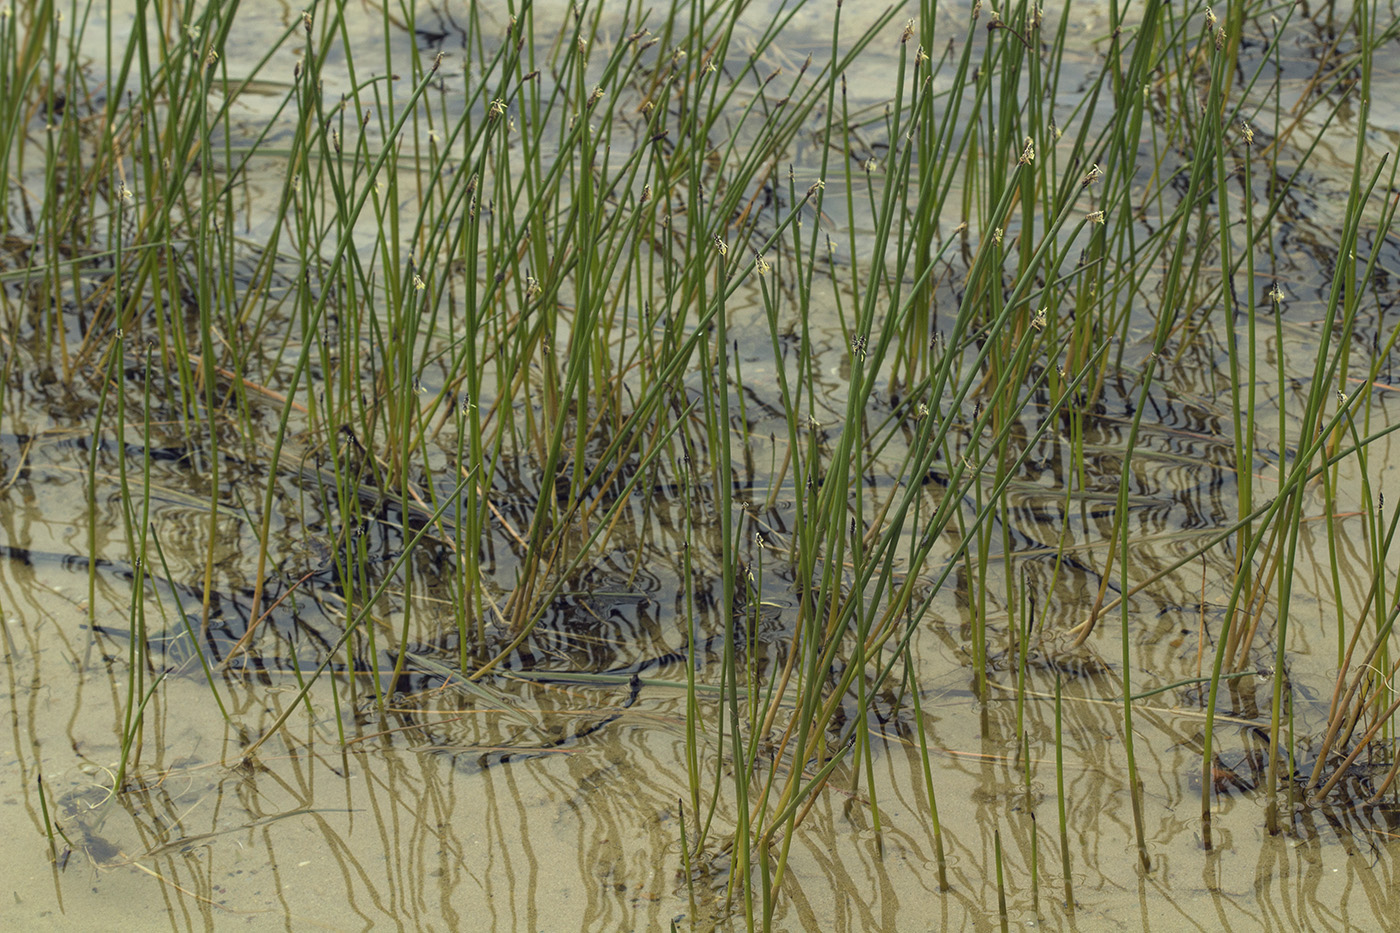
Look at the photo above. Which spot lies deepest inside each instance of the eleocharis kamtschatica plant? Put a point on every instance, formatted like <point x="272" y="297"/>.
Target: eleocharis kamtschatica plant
<point x="440" y="336"/>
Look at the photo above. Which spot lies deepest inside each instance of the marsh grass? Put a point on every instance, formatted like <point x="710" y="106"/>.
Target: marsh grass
<point x="494" y="317"/>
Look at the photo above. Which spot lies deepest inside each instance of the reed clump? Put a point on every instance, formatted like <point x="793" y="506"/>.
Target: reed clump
<point x="639" y="290"/>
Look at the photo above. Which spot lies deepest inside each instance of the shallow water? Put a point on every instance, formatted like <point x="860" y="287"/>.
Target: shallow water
<point x="541" y="801"/>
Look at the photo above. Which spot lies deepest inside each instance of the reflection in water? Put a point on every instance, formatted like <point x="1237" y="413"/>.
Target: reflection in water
<point x="559" y="800"/>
